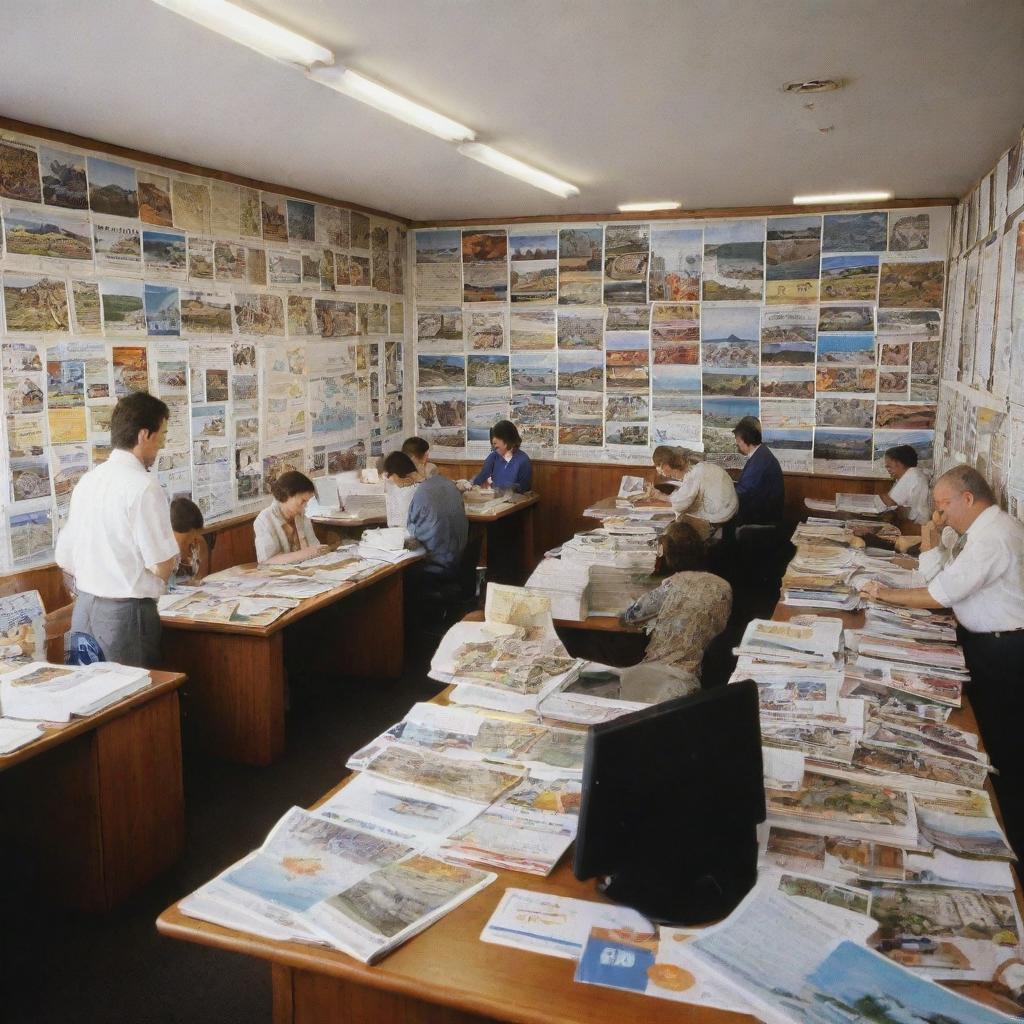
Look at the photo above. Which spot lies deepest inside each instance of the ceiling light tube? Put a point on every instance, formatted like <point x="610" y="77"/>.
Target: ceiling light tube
<point x="843" y="197"/>
<point x="517" y="169"/>
<point x="648" y="207"/>
<point x="358" y="87"/>
<point x="259" y="34"/>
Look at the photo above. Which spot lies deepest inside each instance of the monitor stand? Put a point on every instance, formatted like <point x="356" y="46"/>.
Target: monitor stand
<point x="688" y="887"/>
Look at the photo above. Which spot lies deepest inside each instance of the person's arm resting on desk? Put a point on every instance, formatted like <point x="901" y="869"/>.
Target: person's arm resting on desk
<point x="487" y="471"/>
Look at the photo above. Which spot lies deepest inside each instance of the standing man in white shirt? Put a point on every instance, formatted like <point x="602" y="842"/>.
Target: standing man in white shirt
<point x="982" y="579"/>
<point x="118" y="543"/>
<point x="910" y="491"/>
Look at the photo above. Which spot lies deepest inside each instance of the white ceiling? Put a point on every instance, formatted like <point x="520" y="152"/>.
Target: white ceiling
<point x="629" y="99"/>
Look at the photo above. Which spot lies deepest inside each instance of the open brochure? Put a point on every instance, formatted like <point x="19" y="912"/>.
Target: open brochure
<point x="345" y="884"/>
<point x="794" y="964"/>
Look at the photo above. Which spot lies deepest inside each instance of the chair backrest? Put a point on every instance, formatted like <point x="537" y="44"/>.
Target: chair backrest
<point x="82" y="649"/>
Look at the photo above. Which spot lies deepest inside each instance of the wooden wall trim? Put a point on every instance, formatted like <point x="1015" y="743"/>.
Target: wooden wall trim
<point x="139" y="156"/>
<point x="710" y="213"/>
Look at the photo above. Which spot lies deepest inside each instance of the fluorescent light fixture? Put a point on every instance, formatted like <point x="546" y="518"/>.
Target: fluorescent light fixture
<point x="365" y="90"/>
<point x="517" y="169"/>
<point x="843" y="197"/>
<point x="251" y="30"/>
<point x="647" y="207"/>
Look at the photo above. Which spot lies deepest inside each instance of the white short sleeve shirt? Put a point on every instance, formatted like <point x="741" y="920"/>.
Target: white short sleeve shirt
<point x="118" y="524"/>
<point x="912" y="492"/>
<point x="984" y="583"/>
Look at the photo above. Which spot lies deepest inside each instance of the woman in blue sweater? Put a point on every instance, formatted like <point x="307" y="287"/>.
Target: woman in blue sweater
<point x="508" y="466"/>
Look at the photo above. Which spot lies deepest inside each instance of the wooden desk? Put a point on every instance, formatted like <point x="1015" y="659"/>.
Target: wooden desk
<point x="237" y="674"/>
<point x="99" y="802"/>
<point x="503" y="534"/>
<point x="446" y="975"/>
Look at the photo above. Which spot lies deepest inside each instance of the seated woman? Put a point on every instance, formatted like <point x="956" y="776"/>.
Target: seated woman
<point x="401" y="478"/>
<point x="682" y="616"/>
<point x="194" y="561"/>
<point x="418" y="450"/>
<point x="283" y="531"/>
<point x="704" y="490"/>
<point x="911" y="492"/>
<point x="508" y="466"/>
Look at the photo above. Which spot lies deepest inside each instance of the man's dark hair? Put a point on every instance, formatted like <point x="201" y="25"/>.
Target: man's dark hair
<point x="185" y="515"/>
<point x="417" y="447"/>
<point x="287" y="485"/>
<point x="398" y="464"/>
<point x="904" y="454"/>
<point x="967" y="478"/>
<point x="505" y="430"/>
<point x="137" y="411"/>
<point x="748" y="430"/>
<point x="682" y="550"/>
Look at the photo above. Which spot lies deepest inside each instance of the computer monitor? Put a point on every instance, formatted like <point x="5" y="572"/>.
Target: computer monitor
<point x="326" y="491"/>
<point x="672" y="796"/>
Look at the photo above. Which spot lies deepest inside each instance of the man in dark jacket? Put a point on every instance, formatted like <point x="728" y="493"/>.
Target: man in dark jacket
<point x="760" y="488"/>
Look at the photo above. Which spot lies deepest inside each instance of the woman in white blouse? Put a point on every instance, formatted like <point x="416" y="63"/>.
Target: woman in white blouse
<point x="704" y="490"/>
<point x="283" y="531"/>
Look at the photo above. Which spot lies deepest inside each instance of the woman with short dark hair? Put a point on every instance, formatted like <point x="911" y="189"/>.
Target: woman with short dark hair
<point x="682" y="616"/>
<point x="911" y="491"/>
<point x="283" y="530"/>
<point x="508" y="466"/>
<point x="187" y="525"/>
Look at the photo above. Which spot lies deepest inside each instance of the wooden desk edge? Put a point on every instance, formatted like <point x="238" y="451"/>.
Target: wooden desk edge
<point x="335" y="964"/>
<point x="306" y="607"/>
<point x="160" y="683"/>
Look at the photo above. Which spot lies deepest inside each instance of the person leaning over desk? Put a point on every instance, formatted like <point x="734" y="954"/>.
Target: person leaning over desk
<point x="418" y="449"/>
<point x="704" y="490"/>
<point x="117" y="543"/>
<point x="683" y="616"/>
<point x="981" y="578"/>
<point x="910" y="491"/>
<point x="508" y="466"/>
<point x="283" y="530"/>
<point x="193" y="554"/>
<point x="401" y="478"/>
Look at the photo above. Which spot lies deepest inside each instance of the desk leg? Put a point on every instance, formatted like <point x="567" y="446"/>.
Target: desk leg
<point x="236" y="691"/>
<point x="528" y="558"/>
<point x="105" y="813"/>
<point x="303" y="997"/>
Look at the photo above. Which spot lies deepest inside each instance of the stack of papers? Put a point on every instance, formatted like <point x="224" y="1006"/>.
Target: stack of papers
<point x="805" y="640"/>
<point x="53" y="693"/>
<point x="613" y="590"/>
<point x="565" y="585"/>
<point x="633" y="549"/>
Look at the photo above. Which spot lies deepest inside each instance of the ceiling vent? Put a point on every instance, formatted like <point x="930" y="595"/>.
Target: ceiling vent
<point x="814" y="85"/>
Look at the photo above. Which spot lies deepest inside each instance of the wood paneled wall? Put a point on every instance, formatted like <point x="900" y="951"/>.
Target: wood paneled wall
<point x="567" y="488"/>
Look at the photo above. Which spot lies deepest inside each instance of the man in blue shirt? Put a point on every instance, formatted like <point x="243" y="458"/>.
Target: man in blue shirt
<point x="508" y="466"/>
<point x="760" y="488"/>
<point x="437" y="518"/>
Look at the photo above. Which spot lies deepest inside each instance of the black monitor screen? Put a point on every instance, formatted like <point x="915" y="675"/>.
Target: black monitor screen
<point x="670" y="782"/>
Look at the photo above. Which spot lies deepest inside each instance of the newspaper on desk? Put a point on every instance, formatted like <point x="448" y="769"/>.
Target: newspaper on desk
<point x="345" y="884"/>
<point x="793" y="963"/>
<point x="55" y="693"/>
<point x="500" y="664"/>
